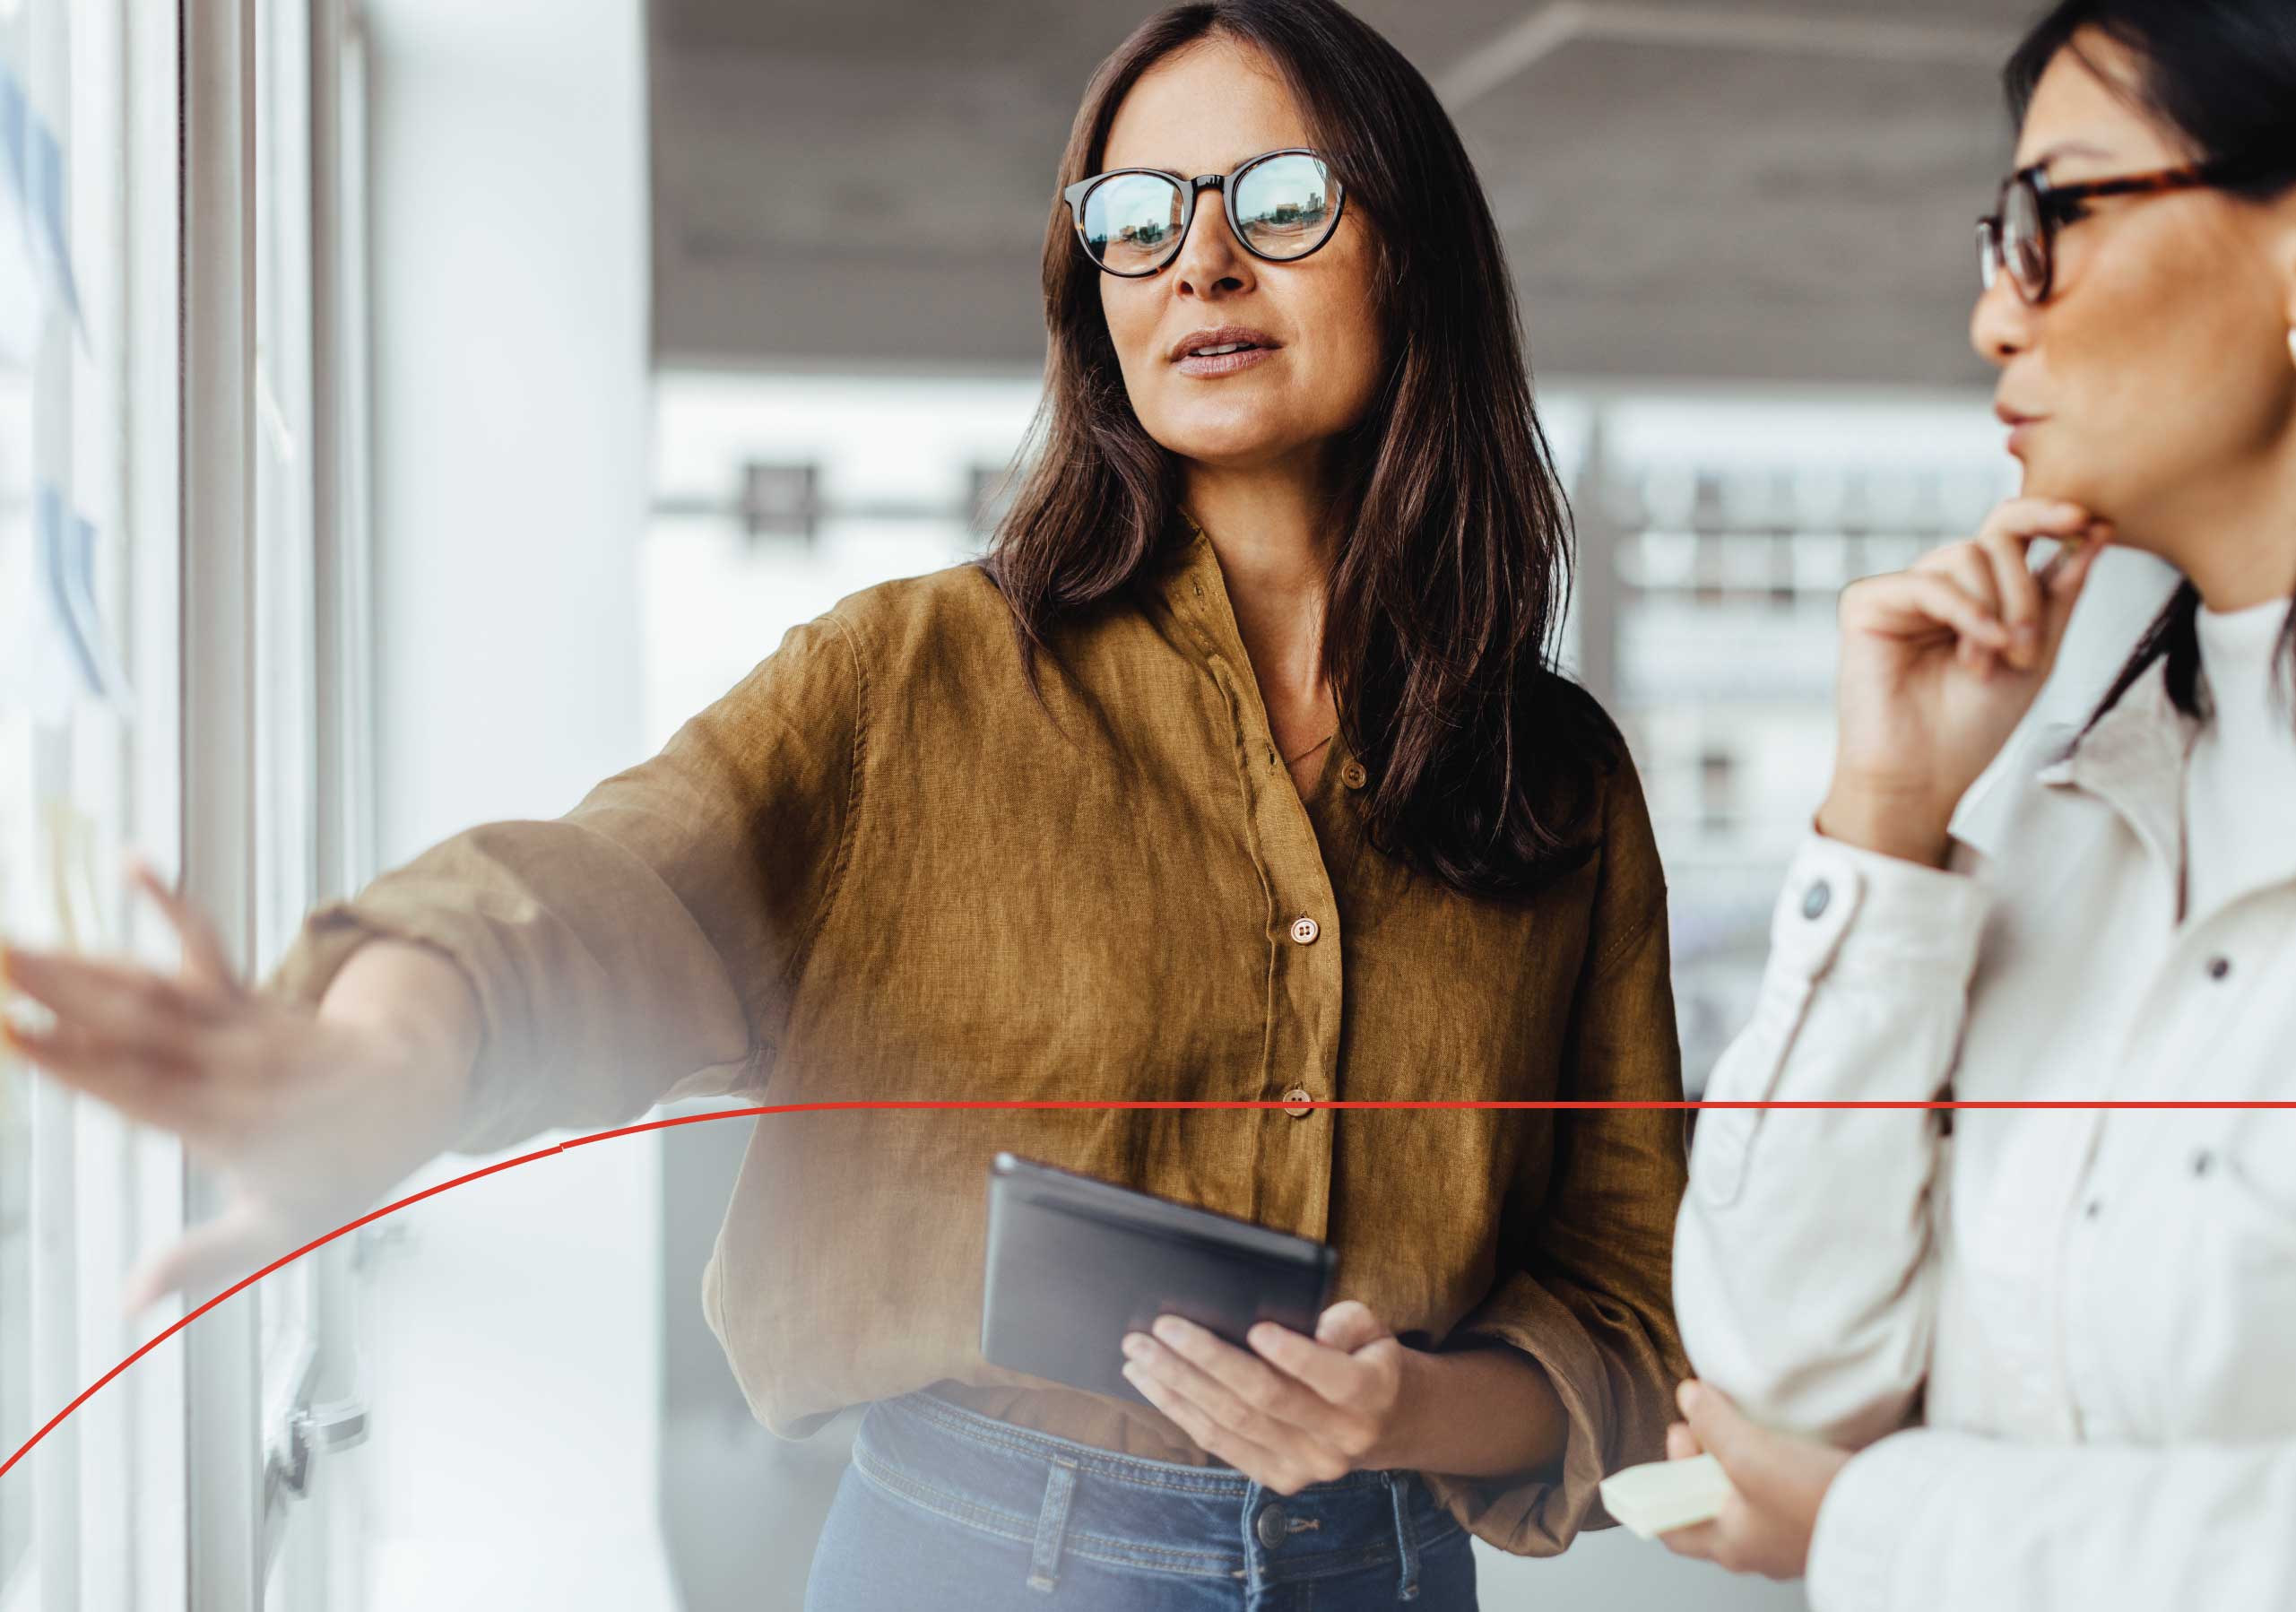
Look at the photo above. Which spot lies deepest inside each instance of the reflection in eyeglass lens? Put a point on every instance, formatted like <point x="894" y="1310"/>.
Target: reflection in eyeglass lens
<point x="2024" y="238"/>
<point x="1284" y="205"/>
<point x="1129" y="221"/>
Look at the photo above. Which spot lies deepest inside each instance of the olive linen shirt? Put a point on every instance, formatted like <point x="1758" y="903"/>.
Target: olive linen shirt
<point x="877" y="868"/>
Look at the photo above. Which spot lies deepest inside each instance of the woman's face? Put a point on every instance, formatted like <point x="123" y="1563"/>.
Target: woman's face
<point x="1202" y="111"/>
<point x="2157" y="377"/>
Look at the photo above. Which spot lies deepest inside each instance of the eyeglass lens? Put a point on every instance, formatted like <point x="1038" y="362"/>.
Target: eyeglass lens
<point x="2024" y="240"/>
<point x="1284" y="209"/>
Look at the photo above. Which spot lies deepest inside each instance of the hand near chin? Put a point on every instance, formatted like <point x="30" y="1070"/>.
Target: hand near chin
<point x="1940" y="663"/>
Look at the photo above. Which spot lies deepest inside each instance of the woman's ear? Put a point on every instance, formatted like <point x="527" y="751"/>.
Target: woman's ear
<point x="2283" y="264"/>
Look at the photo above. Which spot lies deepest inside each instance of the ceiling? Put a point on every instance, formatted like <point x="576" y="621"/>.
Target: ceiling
<point x="1764" y="190"/>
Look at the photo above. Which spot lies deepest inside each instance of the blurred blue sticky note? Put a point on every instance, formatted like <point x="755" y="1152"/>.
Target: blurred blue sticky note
<point x="45" y="186"/>
<point x="67" y="655"/>
<point x="22" y="300"/>
<point x="109" y="682"/>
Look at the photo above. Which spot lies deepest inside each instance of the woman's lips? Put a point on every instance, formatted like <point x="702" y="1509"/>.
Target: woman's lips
<point x="2021" y="425"/>
<point x="1209" y="365"/>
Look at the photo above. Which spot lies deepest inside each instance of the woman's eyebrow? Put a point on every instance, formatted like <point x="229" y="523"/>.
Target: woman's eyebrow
<point x="2069" y="148"/>
<point x="1185" y="172"/>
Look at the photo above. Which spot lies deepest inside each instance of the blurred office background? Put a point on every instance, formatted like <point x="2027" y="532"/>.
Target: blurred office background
<point x="460" y="395"/>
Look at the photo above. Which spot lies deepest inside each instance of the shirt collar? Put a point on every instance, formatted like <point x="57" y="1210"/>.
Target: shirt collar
<point x="1193" y="583"/>
<point x="2133" y="760"/>
<point x="1194" y="589"/>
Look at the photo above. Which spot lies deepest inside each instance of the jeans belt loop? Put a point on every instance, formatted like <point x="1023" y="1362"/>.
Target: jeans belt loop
<point x="1051" y="1524"/>
<point x="1407" y="1534"/>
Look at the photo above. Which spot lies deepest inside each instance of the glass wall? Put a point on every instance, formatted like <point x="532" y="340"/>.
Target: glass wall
<point x="1716" y="530"/>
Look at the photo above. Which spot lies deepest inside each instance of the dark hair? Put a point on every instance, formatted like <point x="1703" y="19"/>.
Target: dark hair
<point x="1451" y="569"/>
<point x="2222" y="75"/>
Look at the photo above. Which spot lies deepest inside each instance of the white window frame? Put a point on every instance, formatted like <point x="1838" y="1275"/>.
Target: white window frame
<point x="165" y="1492"/>
<point x="107" y="1486"/>
<point x="250" y="1417"/>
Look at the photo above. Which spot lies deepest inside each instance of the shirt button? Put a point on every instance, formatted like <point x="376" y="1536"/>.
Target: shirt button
<point x="2218" y="967"/>
<point x="2203" y="1162"/>
<point x="1296" y="1101"/>
<point x="1352" y="773"/>
<point x="1269" y="1526"/>
<point x="1304" y="930"/>
<point x="1816" y="900"/>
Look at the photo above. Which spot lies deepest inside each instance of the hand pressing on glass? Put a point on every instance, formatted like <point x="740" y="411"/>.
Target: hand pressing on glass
<point x="308" y="1116"/>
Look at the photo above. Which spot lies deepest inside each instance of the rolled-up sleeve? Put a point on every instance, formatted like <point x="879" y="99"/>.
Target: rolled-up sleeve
<point x="1804" y="1272"/>
<point x="1590" y="1233"/>
<point x="643" y="946"/>
<point x="1928" y="1518"/>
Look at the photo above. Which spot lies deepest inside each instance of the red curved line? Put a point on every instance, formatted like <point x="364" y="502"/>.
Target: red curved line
<point x="1024" y="1102"/>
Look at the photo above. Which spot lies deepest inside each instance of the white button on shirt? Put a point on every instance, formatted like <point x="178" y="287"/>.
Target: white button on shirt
<point x="2095" y="1312"/>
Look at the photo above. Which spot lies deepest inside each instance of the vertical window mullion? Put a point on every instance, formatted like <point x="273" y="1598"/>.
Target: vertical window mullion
<point x="223" y="1438"/>
<point x="157" y="1388"/>
<point x="55" y="1261"/>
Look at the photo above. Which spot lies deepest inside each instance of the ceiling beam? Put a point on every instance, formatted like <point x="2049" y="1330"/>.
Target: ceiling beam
<point x="1548" y="27"/>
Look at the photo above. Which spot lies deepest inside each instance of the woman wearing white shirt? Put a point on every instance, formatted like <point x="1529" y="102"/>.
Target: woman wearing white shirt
<point x="2048" y="1361"/>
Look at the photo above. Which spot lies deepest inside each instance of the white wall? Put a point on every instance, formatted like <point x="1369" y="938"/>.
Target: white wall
<point x="514" y="1355"/>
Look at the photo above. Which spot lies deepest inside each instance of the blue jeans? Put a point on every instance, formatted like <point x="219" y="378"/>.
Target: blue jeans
<point x="947" y="1510"/>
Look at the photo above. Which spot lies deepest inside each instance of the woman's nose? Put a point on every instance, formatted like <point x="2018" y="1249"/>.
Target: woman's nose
<point x="1210" y="263"/>
<point x="2000" y="327"/>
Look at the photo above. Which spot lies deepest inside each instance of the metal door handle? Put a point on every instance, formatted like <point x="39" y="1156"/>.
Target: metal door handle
<point x="318" y="1428"/>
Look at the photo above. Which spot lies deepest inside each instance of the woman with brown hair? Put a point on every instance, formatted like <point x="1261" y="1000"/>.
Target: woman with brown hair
<point x="1239" y="769"/>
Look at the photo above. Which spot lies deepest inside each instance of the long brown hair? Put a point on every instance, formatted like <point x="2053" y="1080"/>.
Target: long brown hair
<point x="1452" y="568"/>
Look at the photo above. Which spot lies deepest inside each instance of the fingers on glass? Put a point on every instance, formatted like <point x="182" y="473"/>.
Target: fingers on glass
<point x="1281" y="205"/>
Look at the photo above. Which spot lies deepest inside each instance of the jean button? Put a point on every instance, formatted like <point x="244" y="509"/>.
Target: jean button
<point x="1269" y="1526"/>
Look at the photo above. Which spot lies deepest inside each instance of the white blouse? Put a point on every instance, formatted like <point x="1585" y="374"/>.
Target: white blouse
<point x="2084" y="1319"/>
<point x="2240" y="785"/>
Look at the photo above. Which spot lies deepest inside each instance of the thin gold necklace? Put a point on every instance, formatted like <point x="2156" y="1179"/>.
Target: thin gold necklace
<point x="1319" y="744"/>
<point x="1310" y="750"/>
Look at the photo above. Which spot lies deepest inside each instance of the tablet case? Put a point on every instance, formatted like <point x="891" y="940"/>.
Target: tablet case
<point x="1075" y="1264"/>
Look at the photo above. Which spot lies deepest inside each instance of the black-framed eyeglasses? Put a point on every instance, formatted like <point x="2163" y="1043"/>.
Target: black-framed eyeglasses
<point x="1281" y="205"/>
<point x="2020" y="234"/>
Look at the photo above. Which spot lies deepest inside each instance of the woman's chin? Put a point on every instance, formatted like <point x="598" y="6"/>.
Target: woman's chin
<point x="2045" y="479"/>
<point x="1237" y="440"/>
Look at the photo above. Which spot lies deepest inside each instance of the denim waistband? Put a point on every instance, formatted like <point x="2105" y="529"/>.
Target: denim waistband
<point x="1065" y="1499"/>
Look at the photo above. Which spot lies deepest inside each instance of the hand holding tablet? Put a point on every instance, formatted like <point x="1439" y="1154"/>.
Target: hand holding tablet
<point x="1074" y="1264"/>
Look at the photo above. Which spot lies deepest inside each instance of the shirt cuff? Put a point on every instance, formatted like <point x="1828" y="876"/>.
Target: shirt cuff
<point x="1538" y="1514"/>
<point x="1868" y="1514"/>
<point x="1845" y="908"/>
<point x="329" y="937"/>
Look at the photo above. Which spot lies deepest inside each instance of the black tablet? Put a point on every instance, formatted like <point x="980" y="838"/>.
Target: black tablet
<point x="1075" y="1264"/>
